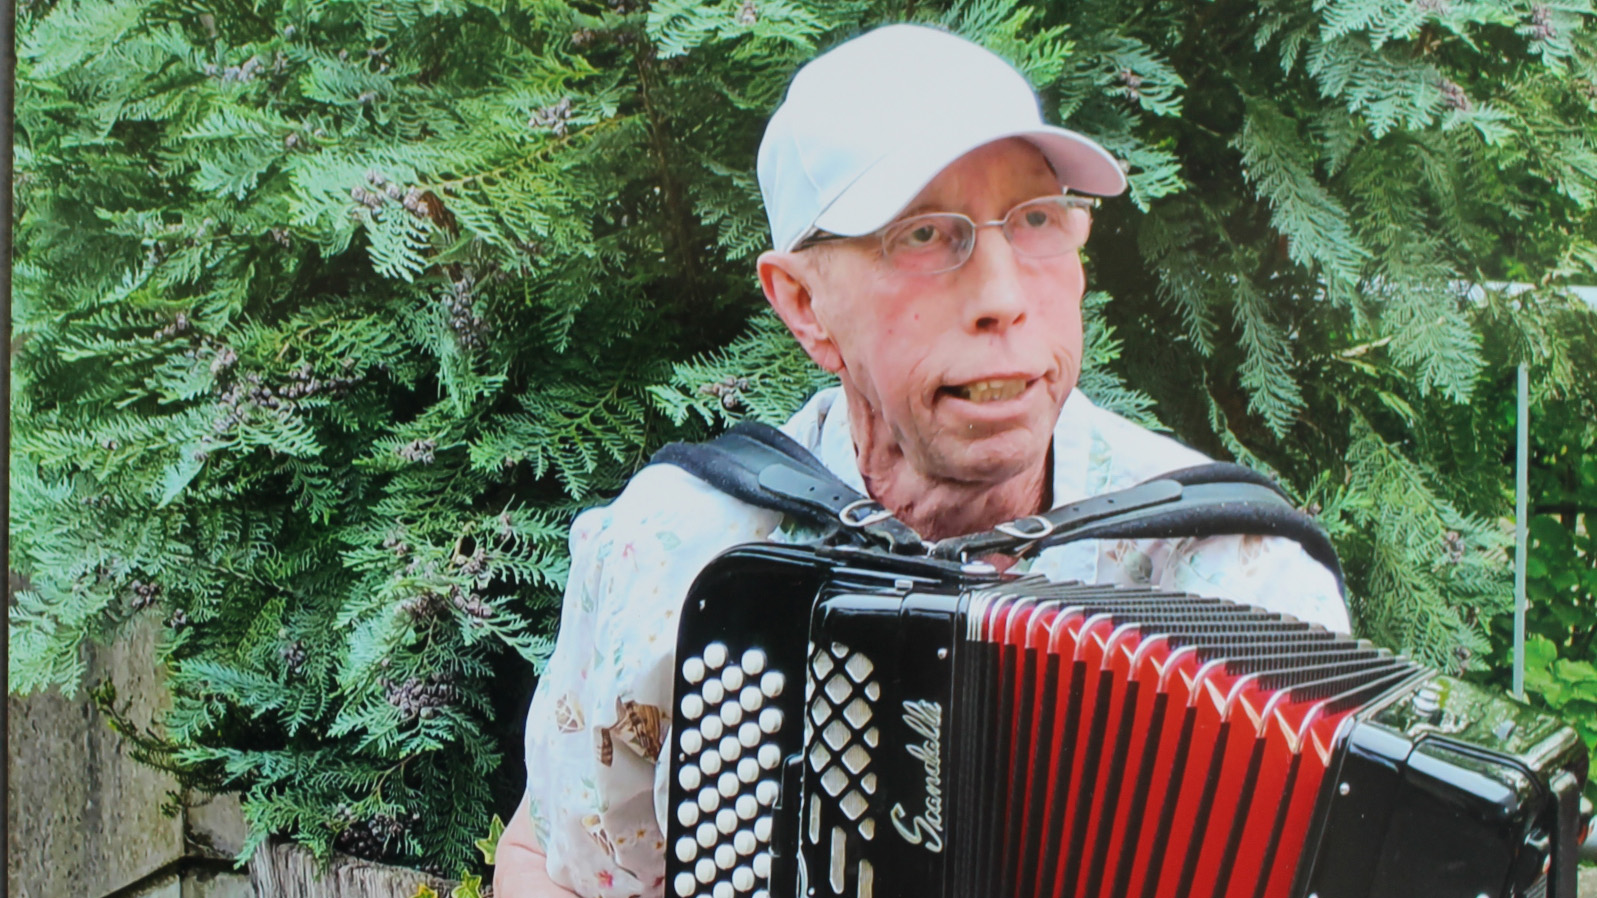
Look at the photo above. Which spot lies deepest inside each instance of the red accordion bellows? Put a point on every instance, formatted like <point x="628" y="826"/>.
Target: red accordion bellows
<point x="1145" y="760"/>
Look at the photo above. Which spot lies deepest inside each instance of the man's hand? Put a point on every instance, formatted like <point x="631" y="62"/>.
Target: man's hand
<point x="520" y="868"/>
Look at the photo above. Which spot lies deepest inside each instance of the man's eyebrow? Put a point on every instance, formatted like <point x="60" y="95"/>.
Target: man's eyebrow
<point x="923" y="208"/>
<point x="917" y="209"/>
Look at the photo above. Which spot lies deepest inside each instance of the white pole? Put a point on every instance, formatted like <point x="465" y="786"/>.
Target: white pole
<point x="1521" y="491"/>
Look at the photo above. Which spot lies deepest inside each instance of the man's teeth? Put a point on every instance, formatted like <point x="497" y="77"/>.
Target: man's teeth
<point x="991" y="390"/>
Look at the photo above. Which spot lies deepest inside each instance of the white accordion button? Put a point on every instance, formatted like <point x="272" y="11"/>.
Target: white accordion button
<point x="709" y="799"/>
<point x="727" y="785"/>
<point x="762" y="865"/>
<point x="715" y="655"/>
<point x="819" y="757"/>
<point x="712" y="728"/>
<point x="710" y="763"/>
<point x="854" y="804"/>
<point x="770" y="756"/>
<point x="714" y="692"/>
<point x="858" y="713"/>
<point x="856" y="758"/>
<point x="837" y="689"/>
<point x="689" y="777"/>
<point x="765" y="793"/>
<point x="731" y="713"/>
<point x="748" y="770"/>
<point x="730" y="748"/>
<point x="732" y="678"/>
<point x="692" y="741"/>
<point x="705" y="835"/>
<point x="684" y="884"/>
<point x="722" y="890"/>
<point x="834" y="780"/>
<point x="725" y="857"/>
<point x="762" y="829"/>
<point x="692" y="706"/>
<point x="686" y="850"/>
<point x="751" y="698"/>
<point x="726" y="821"/>
<point x="693" y="670"/>
<point x="858" y="666"/>
<point x="749" y="734"/>
<point x="743" y="842"/>
<point x="753" y="661"/>
<point x="822" y="665"/>
<point x="771" y="719"/>
<point x="747" y="807"/>
<point x="743" y="879"/>
<point x="687" y="813"/>
<point x="704" y="870"/>
<point x="836" y="735"/>
<point x="771" y="684"/>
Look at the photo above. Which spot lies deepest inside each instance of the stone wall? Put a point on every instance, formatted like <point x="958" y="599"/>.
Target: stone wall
<point x="85" y="819"/>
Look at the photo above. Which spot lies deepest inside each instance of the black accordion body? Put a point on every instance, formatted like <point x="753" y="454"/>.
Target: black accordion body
<point x="852" y="723"/>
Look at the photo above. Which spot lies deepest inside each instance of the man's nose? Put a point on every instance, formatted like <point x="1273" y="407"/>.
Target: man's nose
<point x="997" y="300"/>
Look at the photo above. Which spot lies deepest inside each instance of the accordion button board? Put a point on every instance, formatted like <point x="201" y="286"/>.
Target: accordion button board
<point x="852" y="723"/>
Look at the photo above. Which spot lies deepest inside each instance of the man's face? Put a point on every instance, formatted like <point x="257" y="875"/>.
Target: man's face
<point x="965" y="370"/>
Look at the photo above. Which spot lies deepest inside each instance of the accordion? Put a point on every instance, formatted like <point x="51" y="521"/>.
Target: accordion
<point x="852" y="723"/>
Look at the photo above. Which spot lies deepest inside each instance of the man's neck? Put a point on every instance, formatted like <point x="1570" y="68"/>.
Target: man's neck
<point x="937" y="508"/>
<point x="940" y="509"/>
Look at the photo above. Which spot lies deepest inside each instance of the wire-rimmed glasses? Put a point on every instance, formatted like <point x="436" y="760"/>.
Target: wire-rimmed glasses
<point x="942" y="241"/>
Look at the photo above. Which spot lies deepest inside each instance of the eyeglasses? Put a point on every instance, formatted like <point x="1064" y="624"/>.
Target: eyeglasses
<point x="942" y="241"/>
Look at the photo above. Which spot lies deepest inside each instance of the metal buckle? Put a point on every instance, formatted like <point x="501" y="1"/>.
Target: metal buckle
<point x="876" y="517"/>
<point x="1010" y="529"/>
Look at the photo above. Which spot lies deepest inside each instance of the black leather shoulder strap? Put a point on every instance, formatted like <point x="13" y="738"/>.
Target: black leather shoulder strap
<point x="1218" y="499"/>
<point x="765" y="467"/>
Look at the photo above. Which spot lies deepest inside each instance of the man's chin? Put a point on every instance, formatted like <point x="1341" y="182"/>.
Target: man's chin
<point x="988" y="462"/>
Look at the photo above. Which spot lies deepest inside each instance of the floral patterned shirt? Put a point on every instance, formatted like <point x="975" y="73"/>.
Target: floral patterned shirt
<point x="601" y="711"/>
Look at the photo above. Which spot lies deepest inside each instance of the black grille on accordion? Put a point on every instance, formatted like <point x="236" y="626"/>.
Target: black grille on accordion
<point x="850" y="723"/>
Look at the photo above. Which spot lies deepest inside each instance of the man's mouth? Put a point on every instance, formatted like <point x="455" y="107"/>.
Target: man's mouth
<point x="989" y="390"/>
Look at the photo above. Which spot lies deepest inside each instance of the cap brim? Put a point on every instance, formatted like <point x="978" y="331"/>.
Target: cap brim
<point x="884" y="189"/>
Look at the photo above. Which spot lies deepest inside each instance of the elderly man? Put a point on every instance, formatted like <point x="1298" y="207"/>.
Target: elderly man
<point x="927" y="234"/>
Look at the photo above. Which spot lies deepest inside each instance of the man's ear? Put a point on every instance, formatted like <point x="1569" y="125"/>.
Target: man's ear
<point x="786" y="279"/>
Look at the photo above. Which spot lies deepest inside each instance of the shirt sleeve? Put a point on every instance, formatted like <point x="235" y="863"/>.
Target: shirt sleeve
<point x="601" y="713"/>
<point x="1269" y="572"/>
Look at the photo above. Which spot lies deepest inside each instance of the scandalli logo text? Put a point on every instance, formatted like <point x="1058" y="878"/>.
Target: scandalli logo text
<point x="926" y="720"/>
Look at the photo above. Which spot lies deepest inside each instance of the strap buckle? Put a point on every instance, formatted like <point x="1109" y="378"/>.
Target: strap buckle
<point x="1013" y="529"/>
<point x="847" y="513"/>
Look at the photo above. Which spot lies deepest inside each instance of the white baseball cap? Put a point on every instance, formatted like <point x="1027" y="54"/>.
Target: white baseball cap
<point x="868" y="124"/>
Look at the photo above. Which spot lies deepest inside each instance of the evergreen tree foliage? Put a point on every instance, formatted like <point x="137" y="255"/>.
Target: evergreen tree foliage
<point x="330" y="314"/>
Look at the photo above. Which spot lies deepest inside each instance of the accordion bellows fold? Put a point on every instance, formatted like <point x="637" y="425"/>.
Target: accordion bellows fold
<point x="850" y="723"/>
